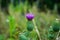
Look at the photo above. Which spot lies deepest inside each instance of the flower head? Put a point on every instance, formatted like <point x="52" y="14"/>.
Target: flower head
<point x="29" y="16"/>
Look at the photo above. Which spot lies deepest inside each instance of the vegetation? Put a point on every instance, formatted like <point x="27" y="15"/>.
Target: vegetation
<point x="16" y="26"/>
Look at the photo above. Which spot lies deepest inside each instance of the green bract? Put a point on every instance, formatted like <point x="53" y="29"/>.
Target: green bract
<point x="26" y="33"/>
<point x="30" y="26"/>
<point x="56" y="27"/>
<point x="50" y="30"/>
<point x="50" y="36"/>
<point x="22" y="37"/>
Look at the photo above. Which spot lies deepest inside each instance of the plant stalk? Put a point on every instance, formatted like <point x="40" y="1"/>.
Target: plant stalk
<point x="36" y="30"/>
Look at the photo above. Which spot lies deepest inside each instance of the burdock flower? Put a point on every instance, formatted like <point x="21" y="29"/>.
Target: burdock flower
<point x="29" y="16"/>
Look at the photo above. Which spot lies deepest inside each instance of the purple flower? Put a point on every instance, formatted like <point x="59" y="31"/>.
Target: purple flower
<point x="29" y="16"/>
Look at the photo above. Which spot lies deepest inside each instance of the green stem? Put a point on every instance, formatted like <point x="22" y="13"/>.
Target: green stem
<point x="57" y="35"/>
<point x="37" y="31"/>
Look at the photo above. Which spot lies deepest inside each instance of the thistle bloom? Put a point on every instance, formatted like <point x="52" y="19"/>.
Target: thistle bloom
<point x="29" y="16"/>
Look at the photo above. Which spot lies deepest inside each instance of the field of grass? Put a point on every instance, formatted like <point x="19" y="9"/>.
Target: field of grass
<point x="16" y="23"/>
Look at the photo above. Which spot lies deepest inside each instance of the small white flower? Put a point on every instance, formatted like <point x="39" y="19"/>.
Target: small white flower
<point x="7" y="20"/>
<point x="56" y="38"/>
<point x="57" y="19"/>
<point x="50" y="26"/>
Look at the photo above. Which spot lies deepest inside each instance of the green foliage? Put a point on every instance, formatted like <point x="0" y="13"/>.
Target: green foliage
<point x="33" y="35"/>
<point x="1" y="37"/>
<point x="10" y="39"/>
<point x="26" y="33"/>
<point x="11" y="24"/>
<point x="30" y="34"/>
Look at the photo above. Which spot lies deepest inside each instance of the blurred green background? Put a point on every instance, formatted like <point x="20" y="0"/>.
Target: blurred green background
<point x="43" y="21"/>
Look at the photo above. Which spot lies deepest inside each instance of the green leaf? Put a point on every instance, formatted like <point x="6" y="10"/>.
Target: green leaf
<point x="1" y="37"/>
